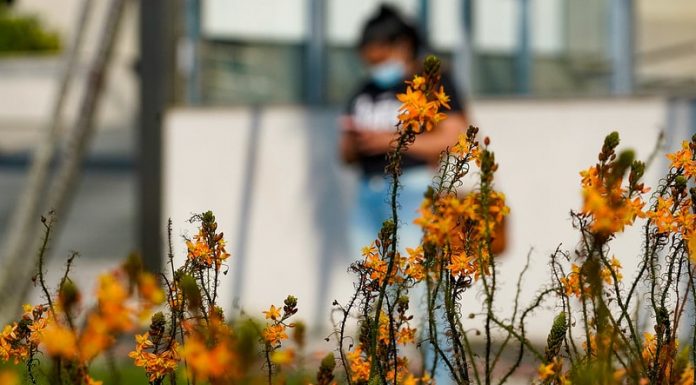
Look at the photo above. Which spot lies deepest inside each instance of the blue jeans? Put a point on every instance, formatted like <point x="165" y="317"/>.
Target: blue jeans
<point x="373" y="208"/>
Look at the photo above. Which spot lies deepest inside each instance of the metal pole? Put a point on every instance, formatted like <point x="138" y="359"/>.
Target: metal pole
<point x="621" y="29"/>
<point x="463" y="59"/>
<point x="423" y="21"/>
<point x="192" y="42"/>
<point x="156" y="56"/>
<point x="316" y="53"/>
<point x="524" y="50"/>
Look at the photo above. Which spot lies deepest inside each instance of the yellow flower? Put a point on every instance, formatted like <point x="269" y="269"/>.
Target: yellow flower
<point x="272" y="313"/>
<point x="546" y="371"/>
<point x="283" y="357"/>
<point x="649" y="346"/>
<point x="442" y="98"/>
<point x="418" y="82"/>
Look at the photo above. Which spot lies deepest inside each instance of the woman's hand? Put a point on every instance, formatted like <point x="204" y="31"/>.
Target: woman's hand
<point x="373" y="142"/>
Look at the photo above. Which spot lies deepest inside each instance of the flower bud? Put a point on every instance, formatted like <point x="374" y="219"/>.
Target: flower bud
<point x="556" y="336"/>
<point x="68" y="295"/>
<point x="191" y="292"/>
<point x="431" y="65"/>
<point x="157" y="325"/>
<point x="325" y="375"/>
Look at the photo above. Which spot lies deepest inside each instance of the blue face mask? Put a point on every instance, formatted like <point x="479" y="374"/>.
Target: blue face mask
<point x="388" y="74"/>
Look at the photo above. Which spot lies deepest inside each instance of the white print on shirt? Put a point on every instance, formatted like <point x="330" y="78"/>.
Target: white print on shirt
<point x="379" y="114"/>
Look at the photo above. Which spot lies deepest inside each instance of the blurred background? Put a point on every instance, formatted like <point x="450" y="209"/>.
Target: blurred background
<point x="232" y="106"/>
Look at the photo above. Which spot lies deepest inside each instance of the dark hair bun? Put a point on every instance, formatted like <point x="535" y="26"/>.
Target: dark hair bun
<point x="386" y="10"/>
<point x="387" y="25"/>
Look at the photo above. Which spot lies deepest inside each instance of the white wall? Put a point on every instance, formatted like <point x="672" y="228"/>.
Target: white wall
<point x="300" y="193"/>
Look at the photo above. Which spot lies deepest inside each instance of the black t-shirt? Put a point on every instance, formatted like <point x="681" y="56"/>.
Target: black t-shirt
<point x="376" y="108"/>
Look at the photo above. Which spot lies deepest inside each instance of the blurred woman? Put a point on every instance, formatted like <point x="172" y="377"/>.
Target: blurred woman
<point x="390" y="47"/>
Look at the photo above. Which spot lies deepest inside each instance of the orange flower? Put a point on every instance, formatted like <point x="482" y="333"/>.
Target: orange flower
<point x="463" y="226"/>
<point x="149" y="290"/>
<point x="684" y="159"/>
<point x="677" y="219"/>
<point x="112" y="296"/>
<point x="59" y="341"/>
<point x="359" y="366"/>
<point x="462" y="265"/>
<point x="95" y="338"/>
<point x="274" y="334"/>
<point x="377" y="266"/>
<point x="687" y="376"/>
<point x="571" y="283"/>
<point x="420" y="106"/>
<point x="609" y="206"/>
<point x="208" y="364"/>
<point x="406" y="335"/>
<point x="90" y="381"/>
<point x="414" y="265"/>
<point x="649" y="346"/>
<point x="206" y="252"/>
<point x="8" y="377"/>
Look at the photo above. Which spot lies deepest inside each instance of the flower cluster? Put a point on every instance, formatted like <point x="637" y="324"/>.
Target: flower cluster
<point x="275" y="332"/>
<point x="463" y="226"/>
<point x="571" y="282"/>
<point x="157" y="362"/>
<point x="52" y="328"/>
<point x="615" y="347"/>
<point x="207" y="247"/>
<point x="610" y="205"/>
<point x="20" y="339"/>
<point x="684" y="160"/>
<point x="421" y="104"/>
<point x="209" y="351"/>
<point x="675" y="209"/>
<point x="194" y="330"/>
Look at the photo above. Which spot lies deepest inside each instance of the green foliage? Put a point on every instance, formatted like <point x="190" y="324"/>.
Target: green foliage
<point x="22" y="34"/>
